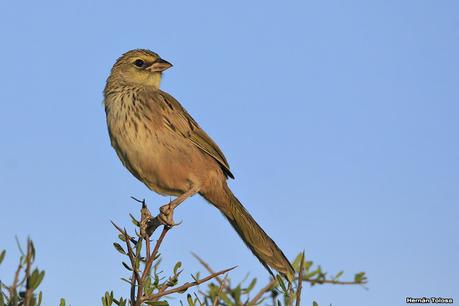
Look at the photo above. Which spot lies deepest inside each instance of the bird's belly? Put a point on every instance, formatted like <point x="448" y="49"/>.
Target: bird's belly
<point x="160" y="160"/>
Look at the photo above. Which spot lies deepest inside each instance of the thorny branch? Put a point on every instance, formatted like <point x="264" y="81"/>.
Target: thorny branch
<point x="300" y="283"/>
<point x="273" y="285"/>
<point x="184" y="287"/>
<point x="223" y="283"/>
<point x="148" y="225"/>
<point x="219" y="290"/>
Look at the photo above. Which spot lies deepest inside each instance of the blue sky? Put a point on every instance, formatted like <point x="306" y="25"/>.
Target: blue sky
<point x="339" y="120"/>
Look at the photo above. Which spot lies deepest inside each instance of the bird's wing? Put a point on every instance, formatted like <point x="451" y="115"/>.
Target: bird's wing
<point x="180" y="121"/>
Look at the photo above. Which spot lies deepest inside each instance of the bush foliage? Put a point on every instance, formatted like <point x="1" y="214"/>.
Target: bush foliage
<point x="149" y="285"/>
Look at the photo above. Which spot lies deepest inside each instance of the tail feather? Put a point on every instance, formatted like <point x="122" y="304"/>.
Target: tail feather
<point x="256" y="239"/>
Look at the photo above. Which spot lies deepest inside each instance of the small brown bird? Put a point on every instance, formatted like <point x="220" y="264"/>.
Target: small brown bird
<point x="163" y="146"/>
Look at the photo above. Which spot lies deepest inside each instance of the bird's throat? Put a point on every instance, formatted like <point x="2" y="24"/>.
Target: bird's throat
<point x="154" y="80"/>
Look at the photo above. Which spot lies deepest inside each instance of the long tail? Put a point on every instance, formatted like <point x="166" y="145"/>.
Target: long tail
<point x="261" y="245"/>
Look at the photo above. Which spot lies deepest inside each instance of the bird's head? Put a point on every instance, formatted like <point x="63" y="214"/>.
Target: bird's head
<point x="139" y="67"/>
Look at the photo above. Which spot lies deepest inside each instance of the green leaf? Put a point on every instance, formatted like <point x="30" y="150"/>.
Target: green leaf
<point x="33" y="278"/>
<point x="121" y="302"/>
<point x="310" y="275"/>
<point x="40" y="297"/>
<point x="126" y="280"/>
<point x="156" y="282"/>
<point x="119" y="248"/>
<point x="281" y="283"/>
<point x="225" y="298"/>
<point x="62" y="302"/>
<point x="297" y="262"/>
<point x="36" y="278"/>
<point x="251" y="285"/>
<point x="107" y="299"/>
<point x="147" y="287"/>
<point x="138" y="247"/>
<point x="308" y="265"/>
<point x="110" y="298"/>
<point x="196" y="277"/>
<point x="158" y="303"/>
<point x="32" y="250"/>
<point x="177" y="266"/>
<point x="359" y="277"/>
<point x="126" y="266"/>
<point x="2" y="301"/>
<point x="189" y="300"/>
<point x="2" y="255"/>
<point x="172" y="281"/>
<point x="236" y="293"/>
<point x="134" y="220"/>
<point x="314" y="303"/>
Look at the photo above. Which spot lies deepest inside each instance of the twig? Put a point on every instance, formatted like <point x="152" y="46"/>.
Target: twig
<point x="333" y="282"/>
<point x="137" y="200"/>
<point x="290" y="294"/>
<point x="148" y="264"/>
<point x="262" y="292"/>
<point x="28" y="293"/>
<point x="19" y="245"/>
<point x="148" y="226"/>
<point x="223" y="282"/>
<point x="210" y="270"/>
<point x="220" y="290"/>
<point x="135" y="273"/>
<point x="118" y="228"/>
<point x="147" y="242"/>
<point x="300" y="282"/>
<point x="132" y="291"/>
<point x="184" y="287"/>
<point x="274" y="296"/>
<point x="13" y="286"/>
<point x="272" y="283"/>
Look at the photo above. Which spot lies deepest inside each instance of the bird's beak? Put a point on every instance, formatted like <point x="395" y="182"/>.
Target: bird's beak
<point x="159" y="65"/>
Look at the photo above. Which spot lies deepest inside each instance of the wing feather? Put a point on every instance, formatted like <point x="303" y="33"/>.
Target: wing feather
<point x="180" y="121"/>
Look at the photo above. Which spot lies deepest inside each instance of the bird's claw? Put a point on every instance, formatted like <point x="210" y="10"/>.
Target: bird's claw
<point x="166" y="215"/>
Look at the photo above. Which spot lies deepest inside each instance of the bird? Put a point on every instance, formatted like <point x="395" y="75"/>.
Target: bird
<point x="158" y="141"/>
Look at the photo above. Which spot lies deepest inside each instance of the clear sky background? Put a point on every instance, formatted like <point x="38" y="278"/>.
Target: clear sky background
<point x="339" y="120"/>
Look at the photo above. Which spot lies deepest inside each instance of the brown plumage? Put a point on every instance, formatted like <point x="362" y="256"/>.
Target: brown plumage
<point x="163" y="146"/>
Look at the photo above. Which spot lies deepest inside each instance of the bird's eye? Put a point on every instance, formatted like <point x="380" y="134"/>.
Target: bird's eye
<point x="139" y="63"/>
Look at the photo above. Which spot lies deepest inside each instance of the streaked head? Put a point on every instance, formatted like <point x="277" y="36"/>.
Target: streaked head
<point x="139" y="67"/>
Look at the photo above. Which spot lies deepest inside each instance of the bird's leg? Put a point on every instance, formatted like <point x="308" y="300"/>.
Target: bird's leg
<point x="167" y="211"/>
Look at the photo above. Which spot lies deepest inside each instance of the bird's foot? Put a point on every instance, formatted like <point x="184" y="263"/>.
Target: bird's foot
<point x="166" y="215"/>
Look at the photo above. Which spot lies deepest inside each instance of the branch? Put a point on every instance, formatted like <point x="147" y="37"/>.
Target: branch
<point x="135" y="272"/>
<point x="263" y="290"/>
<point x="334" y="282"/>
<point x="300" y="283"/>
<point x="29" y="258"/>
<point x="219" y="291"/>
<point x="184" y="287"/>
<point x="210" y="270"/>
<point x="148" y="226"/>
<point x="13" y="287"/>
<point x="148" y="264"/>
<point x="273" y="282"/>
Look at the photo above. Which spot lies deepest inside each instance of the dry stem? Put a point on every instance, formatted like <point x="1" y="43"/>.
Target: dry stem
<point x="300" y="282"/>
<point x="184" y="287"/>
